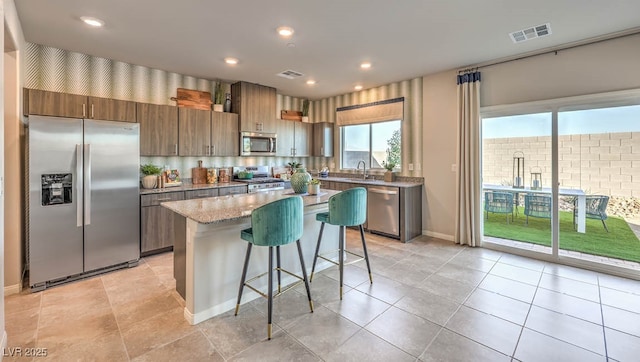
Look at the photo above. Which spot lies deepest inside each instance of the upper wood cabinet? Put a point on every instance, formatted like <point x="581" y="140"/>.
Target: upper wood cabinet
<point x="286" y="135"/>
<point x="45" y="103"/>
<point x="302" y="139"/>
<point x="255" y="105"/>
<point x="194" y="132"/>
<point x="294" y="138"/>
<point x="225" y="137"/>
<point x="322" y="139"/>
<point x="158" y="129"/>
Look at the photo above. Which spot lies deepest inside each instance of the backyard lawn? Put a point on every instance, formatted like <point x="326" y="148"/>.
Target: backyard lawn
<point x="620" y="242"/>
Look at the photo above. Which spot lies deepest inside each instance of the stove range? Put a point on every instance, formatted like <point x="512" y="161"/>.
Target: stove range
<point x="261" y="180"/>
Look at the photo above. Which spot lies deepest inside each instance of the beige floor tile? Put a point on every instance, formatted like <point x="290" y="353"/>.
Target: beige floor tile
<point x="25" y="322"/>
<point x="404" y="330"/>
<point x="365" y="346"/>
<point x="193" y="347"/>
<point x="358" y="307"/>
<point x="108" y="347"/>
<point x="153" y="333"/>
<point x="280" y="348"/>
<point x="232" y="334"/>
<point x="20" y="302"/>
<point x="143" y="309"/>
<point x="62" y="331"/>
<point x="452" y="347"/>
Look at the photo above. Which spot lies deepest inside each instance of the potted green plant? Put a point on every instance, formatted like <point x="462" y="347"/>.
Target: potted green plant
<point x="305" y="111"/>
<point x="388" y="175"/>
<point x="314" y="186"/>
<point x="218" y="97"/>
<point x="150" y="174"/>
<point x="293" y="165"/>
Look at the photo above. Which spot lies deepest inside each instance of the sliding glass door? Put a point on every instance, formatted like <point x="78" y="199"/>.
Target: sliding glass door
<point x="516" y="167"/>
<point x="572" y="167"/>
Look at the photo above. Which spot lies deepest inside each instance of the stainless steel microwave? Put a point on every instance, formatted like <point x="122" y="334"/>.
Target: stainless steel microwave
<point x="257" y="144"/>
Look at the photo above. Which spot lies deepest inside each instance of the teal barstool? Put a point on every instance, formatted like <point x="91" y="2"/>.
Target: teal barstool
<point x="274" y="224"/>
<point x="348" y="208"/>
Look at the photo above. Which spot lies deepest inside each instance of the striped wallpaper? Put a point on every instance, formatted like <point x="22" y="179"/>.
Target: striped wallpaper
<point x="60" y="70"/>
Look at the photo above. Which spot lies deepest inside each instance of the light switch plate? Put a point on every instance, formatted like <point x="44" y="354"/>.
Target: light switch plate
<point x="453" y="167"/>
<point x="411" y="167"/>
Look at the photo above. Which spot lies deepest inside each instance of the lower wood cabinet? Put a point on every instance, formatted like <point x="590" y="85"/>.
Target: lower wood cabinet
<point x="156" y="222"/>
<point x="233" y="190"/>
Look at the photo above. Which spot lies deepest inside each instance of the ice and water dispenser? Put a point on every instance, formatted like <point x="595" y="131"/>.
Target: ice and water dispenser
<point x="56" y="189"/>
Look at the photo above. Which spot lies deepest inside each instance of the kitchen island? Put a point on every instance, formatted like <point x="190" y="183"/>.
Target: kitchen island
<point x="209" y="253"/>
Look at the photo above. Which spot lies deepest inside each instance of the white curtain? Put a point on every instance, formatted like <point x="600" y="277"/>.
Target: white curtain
<point x="468" y="186"/>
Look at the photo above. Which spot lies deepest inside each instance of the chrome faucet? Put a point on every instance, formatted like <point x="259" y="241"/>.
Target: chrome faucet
<point x="364" y="169"/>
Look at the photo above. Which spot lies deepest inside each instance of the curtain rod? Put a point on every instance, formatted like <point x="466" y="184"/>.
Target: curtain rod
<point x="556" y="49"/>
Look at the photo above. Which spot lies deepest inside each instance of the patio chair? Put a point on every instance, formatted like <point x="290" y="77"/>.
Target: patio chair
<point x="498" y="202"/>
<point x="537" y="206"/>
<point x="596" y="209"/>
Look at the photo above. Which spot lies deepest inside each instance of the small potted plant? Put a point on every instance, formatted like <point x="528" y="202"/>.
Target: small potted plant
<point x="218" y="98"/>
<point x="150" y="174"/>
<point x="314" y="187"/>
<point x="305" y="111"/>
<point x="293" y="165"/>
<point x="388" y="175"/>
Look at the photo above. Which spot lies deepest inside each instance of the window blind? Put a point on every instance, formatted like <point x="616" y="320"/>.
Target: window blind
<point x="381" y="111"/>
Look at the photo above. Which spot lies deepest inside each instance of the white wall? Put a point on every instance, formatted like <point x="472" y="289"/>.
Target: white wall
<point x="601" y="67"/>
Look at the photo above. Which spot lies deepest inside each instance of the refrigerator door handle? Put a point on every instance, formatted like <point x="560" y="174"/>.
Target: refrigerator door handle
<point x="79" y="185"/>
<point x="87" y="189"/>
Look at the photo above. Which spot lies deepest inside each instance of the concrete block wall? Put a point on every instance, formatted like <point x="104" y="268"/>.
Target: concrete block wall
<point x="602" y="163"/>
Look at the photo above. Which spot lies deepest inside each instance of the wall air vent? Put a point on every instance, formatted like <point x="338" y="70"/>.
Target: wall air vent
<point x="530" y="33"/>
<point x="290" y="74"/>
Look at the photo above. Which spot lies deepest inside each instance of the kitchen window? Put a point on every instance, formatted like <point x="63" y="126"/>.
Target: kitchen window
<point x="372" y="143"/>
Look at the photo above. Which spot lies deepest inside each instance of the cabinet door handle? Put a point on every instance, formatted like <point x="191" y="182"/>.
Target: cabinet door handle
<point x="175" y="150"/>
<point x="84" y="110"/>
<point x="165" y="199"/>
<point x="92" y="114"/>
<point x="214" y="150"/>
<point x="321" y="151"/>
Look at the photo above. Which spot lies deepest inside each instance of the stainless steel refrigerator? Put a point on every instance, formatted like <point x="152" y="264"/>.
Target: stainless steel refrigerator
<point x="83" y="198"/>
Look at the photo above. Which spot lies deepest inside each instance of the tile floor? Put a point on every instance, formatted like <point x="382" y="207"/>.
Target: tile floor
<point x="430" y="300"/>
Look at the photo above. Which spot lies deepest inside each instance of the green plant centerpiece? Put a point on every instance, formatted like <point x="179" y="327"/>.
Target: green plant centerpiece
<point x="150" y="174"/>
<point x="305" y="110"/>
<point x="218" y="97"/>
<point x="389" y="166"/>
<point x="293" y="165"/>
<point x="149" y="169"/>
<point x="314" y="186"/>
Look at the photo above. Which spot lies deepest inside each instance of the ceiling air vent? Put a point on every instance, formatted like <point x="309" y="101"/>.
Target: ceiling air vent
<point x="531" y="33"/>
<point x="290" y="74"/>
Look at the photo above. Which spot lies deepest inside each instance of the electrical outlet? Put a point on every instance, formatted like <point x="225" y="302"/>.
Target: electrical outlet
<point x="411" y="167"/>
<point x="453" y="167"/>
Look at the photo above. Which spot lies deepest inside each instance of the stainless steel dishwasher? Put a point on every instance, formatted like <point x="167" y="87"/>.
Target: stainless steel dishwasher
<point x="383" y="210"/>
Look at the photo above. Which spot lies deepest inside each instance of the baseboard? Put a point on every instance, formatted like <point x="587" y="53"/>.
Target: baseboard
<point x="4" y="345"/>
<point x="11" y="289"/>
<point x="434" y="234"/>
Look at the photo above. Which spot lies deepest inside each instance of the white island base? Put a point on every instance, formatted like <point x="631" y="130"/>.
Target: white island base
<point x="214" y="254"/>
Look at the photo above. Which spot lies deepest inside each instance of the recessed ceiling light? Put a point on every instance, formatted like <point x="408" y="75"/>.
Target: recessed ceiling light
<point x="311" y="82"/>
<point x="358" y="87"/>
<point x="95" y="22"/>
<point x="232" y="61"/>
<point x="285" y="31"/>
<point x="365" y="65"/>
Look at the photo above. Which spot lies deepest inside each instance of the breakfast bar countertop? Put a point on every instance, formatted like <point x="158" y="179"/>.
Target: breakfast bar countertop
<point x="223" y="208"/>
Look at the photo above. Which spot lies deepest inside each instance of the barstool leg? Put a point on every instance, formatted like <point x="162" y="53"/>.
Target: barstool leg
<point x="366" y="255"/>
<point x="304" y="275"/>
<point x="270" y="292"/>
<point x="278" y="265"/>
<point x="315" y="256"/>
<point x="341" y="257"/>
<point x="244" y="275"/>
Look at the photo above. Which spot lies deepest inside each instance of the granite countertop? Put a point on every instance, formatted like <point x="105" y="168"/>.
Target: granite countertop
<point x="189" y="186"/>
<point x="223" y="208"/>
<point x="372" y="182"/>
